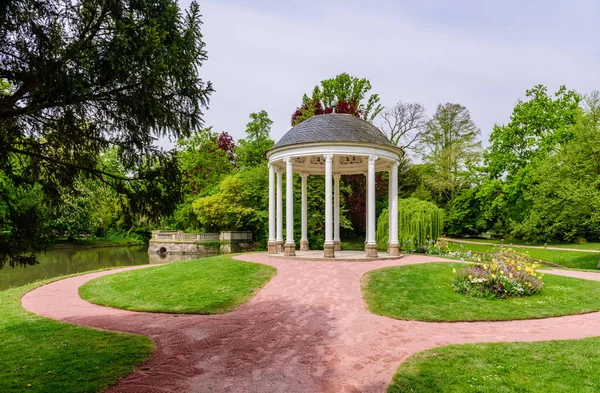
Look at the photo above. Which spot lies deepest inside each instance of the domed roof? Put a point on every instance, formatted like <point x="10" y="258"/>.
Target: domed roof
<point x="334" y="127"/>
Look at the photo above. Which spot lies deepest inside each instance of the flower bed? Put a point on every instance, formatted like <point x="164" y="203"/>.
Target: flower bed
<point x="508" y="275"/>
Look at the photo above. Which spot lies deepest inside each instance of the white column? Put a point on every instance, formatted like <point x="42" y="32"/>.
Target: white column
<point x="279" y="236"/>
<point x="366" y="209"/>
<point x="389" y="207"/>
<point x="304" y="235"/>
<point x="272" y="245"/>
<point x="336" y="212"/>
<point x="328" y="246"/>
<point x="289" y="246"/>
<point x="394" y="246"/>
<point x="371" y="243"/>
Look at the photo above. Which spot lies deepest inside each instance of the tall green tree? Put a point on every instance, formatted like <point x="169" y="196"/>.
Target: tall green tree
<point x="252" y="150"/>
<point x="82" y="76"/>
<point x="350" y="94"/>
<point x="449" y="145"/>
<point x="565" y="190"/>
<point x="539" y="126"/>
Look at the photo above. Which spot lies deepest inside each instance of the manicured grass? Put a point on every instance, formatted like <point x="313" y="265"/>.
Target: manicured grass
<point x="206" y="286"/>
<point x="517" y="242"/>
<point x="41" y="355"/>
<point x="551" y="366"/>
<point x="571" y="259"/>
<point x="423" y="292"/>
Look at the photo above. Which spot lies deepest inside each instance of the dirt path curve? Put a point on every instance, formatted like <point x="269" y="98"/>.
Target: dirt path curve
<point x="519" y="245"/>
<point x="306" y="331"/>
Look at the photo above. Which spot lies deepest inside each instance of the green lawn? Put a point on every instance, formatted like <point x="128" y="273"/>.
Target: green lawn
<point x="205" y="286"/>
<point x="571" y="259"/>
<point x="517" y="242"/>
<point x="552" y="366"/>
<point x="423" y="292"/>
<point x="41" y="355"/>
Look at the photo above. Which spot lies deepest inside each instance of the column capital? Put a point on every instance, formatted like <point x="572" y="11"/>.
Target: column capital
<point x="336" y="176"/>
<point x="287" y="160"/>
<point x="328" y="157"/>
<point x="372" y="159"/>
<point x="304" y="175"/>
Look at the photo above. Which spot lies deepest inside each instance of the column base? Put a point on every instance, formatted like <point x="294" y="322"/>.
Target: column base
<point x="289" y="250"/>
<point x="279" y="245"/>
<point x="337" y="245"/>
<point x="394" y="250"/>
<point x="272" y="247"/>
<point x="328" y="250"/>
<point x="371" y="250"/>
<point x="303" y="245"/>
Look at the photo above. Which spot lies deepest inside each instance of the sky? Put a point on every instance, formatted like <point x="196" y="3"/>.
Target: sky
<point x="484" y="55"/>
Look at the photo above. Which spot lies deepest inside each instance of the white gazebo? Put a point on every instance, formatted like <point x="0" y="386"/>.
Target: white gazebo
<point x="330" y="145"/>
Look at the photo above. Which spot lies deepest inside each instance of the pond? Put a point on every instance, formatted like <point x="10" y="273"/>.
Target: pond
<point x="63" y="261"/>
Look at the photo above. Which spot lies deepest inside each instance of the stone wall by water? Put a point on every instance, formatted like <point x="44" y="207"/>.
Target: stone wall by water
<point x="203" y="244"/>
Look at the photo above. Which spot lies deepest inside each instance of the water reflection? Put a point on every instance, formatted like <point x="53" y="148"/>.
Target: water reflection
<point x="74" y="260"/>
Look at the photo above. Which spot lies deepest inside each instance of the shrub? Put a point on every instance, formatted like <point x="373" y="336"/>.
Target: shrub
<point x="509" y="275"/>
<point x="418" y="222"/>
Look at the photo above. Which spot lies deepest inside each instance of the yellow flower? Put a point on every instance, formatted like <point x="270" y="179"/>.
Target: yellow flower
<point x="510" y="275"/>
<point x="454" y="271"/>
<point x="493" y="276"/>
<point x="470" y="277"/>
<point x="519" y="268"/>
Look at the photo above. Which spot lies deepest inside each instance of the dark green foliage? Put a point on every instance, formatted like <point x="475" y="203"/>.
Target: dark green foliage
<point x="79" y="77"/>
<point x="565" y="189"/>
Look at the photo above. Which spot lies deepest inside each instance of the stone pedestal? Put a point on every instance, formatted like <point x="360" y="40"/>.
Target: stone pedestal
<point x="289" y="250"/>
<point x="394" y="250"/>
<point x="279" y="245"/>
<point x="337" y="245"/>
<point x="304" y="245"/>
<point x="329" y="250"/>
<point x="371" y="250"/>
<point x="272" y="247"/>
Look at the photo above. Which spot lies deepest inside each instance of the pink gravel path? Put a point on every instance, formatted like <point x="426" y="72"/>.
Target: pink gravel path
<point x="307" y="330"/>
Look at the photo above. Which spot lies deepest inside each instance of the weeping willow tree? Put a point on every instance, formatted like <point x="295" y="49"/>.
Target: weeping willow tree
<point x="418" y="222"/>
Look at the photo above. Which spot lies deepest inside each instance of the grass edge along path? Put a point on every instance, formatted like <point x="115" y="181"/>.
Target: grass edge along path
<point x="565" y="258"/>
<point x="423" y="292"/>
<point x="212" y="285"/>
<point x="39" y="354"/>
<point x="543" y="366"/>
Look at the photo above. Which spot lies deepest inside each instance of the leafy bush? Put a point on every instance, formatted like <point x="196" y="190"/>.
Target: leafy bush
<point x="508" y="275"/>
<point x="418" y="222"/>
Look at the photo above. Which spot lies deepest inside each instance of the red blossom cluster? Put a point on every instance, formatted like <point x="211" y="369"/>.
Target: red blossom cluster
<point x="227" y="144"/>
<point x="349" y="107"/>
